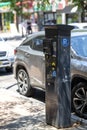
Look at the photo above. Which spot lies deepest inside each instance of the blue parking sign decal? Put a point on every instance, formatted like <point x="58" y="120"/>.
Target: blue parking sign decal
<point x="65" y="42"/>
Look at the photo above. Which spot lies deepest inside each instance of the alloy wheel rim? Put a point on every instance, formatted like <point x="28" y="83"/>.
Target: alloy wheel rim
<point x="23" y="82"/>
<point x="80" y="101"/>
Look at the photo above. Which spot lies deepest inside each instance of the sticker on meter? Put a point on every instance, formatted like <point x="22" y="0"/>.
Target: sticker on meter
<point x="54" y="73"/>
<point x="65" y="42"/>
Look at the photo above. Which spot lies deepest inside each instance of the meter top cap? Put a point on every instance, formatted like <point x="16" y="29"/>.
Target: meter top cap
<point x="55" y="30"/>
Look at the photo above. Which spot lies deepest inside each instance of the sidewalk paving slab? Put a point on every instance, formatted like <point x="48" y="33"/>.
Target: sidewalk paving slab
<point x="21" y="113"/>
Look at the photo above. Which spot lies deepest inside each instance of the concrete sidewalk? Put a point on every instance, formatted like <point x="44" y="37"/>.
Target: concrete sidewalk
<point x="20" y="113"/>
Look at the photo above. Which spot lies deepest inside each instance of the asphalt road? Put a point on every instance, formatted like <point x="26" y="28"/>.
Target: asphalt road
<point x="7" y="80"/>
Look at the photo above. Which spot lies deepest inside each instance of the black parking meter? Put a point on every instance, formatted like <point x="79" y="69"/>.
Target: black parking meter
<point x="58" y="85"/>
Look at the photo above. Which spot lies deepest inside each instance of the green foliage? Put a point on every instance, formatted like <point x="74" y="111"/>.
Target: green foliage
<point x="40" y="3"/>
<point x="13" y="5"/>
<point x="81" y="4"/>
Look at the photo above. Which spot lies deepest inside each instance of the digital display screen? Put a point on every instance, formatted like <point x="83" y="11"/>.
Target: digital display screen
<point x="50" y="46"/>
<point x="54" y="47"/>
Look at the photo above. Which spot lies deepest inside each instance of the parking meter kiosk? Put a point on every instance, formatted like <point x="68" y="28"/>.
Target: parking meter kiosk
<point x="58" y="85"/>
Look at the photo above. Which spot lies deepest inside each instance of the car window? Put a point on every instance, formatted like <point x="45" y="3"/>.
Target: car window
<point x="79" y="44"/>
<point x="38" y="43"/>
<point x="27" y="43"/>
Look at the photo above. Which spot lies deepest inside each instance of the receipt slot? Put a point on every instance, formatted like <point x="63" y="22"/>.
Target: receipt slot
<point x="58" y="85"/>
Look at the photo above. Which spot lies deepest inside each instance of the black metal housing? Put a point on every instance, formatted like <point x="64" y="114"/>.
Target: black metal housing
<point x="58" y="84"/>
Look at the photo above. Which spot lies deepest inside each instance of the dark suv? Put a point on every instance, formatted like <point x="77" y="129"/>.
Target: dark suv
<point x="29" y="68"/>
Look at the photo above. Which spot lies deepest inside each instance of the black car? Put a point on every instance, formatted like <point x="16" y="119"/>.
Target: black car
<point x="29" y="68"/>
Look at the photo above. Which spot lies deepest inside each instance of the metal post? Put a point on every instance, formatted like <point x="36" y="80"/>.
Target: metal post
<point x="58" y="86"/>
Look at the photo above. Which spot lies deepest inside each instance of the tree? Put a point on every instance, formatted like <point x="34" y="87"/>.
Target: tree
<point x="82" y="7"/>
<point x="41" y="4"/>
<point x="13" y="5"/>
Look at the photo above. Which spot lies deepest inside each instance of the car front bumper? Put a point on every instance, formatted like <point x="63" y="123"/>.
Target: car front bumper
<point x="6" y="62"/>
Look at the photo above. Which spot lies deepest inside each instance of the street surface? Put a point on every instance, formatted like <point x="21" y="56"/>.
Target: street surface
<point x="7" y="80"/>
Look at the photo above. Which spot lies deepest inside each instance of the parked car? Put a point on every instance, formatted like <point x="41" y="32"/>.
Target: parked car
<point x="6" y="55"/>
<point x="79" y="25"/>
<point x="29" y="68"/>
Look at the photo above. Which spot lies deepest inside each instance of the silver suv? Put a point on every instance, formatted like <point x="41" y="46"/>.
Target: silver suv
<point x="29" y="68"/>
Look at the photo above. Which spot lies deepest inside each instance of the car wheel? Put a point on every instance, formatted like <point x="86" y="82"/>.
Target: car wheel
<point x="9" y="69"/>
<point x="23" y="80"/>
<point x="79" y="100"/>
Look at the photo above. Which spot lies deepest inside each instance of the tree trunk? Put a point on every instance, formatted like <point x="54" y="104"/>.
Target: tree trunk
<point x="83" y="12"/>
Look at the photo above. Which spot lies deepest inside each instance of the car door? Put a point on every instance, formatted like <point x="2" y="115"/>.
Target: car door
<point x="37" y="62"/>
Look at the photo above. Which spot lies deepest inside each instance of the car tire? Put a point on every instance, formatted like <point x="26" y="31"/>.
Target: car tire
<point x="23" y="81"/>
<point x="79" y="100"/>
